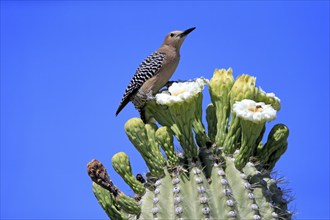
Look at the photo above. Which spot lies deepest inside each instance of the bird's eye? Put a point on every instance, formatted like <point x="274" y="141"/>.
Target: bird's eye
<point x="172" y="35"/>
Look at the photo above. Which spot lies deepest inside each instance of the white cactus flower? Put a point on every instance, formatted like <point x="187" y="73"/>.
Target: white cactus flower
<point x="181" y="91"/>
<point x="257" y="112"/>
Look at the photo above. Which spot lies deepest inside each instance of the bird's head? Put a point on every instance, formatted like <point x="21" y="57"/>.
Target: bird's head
<point x="176" y="38"/>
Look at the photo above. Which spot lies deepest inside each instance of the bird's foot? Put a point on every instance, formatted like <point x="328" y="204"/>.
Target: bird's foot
<point x="169" y="83"/>
<point x="150" y="96"/>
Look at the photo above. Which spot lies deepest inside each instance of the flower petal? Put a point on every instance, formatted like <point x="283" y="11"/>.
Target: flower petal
<point x="254" y="111"/>
<point x="181" y="91"/>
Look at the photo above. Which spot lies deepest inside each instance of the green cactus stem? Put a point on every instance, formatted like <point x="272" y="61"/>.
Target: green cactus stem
<point x="253" y="117"/>
<point x="114" y="201"/>
<point x="212" y="122"/>
<point x="181" y="112"/>
<point x="122" y="166"/>
<point x="165" y="139"/>
<point x="243" y="88"/>
<point x="220" y="86"/>
<point x="275" y="147"/>
<point x="250" y="133"/>
<point x="106" y="201"/>
<point x="142" y="137"/>
<point x="201" y="136"/>
<point x="179" y="120"/>
<point x="224" y="173"/>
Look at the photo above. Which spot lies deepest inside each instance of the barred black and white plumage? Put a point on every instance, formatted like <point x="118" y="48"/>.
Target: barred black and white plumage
<point x="147" y="69"/>
<point x="154" y="72"/>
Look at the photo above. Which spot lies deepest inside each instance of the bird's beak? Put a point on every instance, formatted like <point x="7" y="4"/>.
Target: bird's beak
<point x="186" y="32"/>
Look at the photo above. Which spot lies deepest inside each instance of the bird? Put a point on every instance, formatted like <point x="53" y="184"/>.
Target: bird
<point x="154" y="72"/>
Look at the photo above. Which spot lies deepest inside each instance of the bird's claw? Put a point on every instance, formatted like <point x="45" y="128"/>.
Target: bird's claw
<point x="169" y="83"/>
<point x="150" y="96"/>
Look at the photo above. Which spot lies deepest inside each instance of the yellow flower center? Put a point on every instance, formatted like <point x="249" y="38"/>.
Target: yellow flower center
<point x="177" y="92"/>
<point x="258" y="108"/>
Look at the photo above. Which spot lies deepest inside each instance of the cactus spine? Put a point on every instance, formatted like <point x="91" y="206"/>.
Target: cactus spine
<point x="222" y="174"/>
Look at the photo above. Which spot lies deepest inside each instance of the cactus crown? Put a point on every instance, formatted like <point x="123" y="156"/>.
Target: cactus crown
<point x="222" y="174"/>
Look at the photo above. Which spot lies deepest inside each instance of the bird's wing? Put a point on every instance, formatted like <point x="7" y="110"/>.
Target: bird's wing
<point x="147" y="69"/>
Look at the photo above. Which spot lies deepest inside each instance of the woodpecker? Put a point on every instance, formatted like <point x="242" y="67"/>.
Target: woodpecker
<point x="154" y="72"/>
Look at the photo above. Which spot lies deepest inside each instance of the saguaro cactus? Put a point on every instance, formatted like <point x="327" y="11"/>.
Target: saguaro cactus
<point x="224" y="173"/>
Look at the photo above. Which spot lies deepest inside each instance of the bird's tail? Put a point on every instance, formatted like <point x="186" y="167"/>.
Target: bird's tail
<point x="142" y="114"/>
<point x="122" y="105"/>
<point x="142" y="111"/>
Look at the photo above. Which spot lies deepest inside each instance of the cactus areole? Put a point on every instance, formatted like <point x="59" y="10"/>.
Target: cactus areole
<point x="224" y="173"/>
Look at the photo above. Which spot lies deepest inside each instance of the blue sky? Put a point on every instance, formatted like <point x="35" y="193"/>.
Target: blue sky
<point x="65" y="66"/>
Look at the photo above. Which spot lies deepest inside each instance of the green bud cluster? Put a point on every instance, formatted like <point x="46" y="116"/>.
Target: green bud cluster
<point x="221" y="173"/>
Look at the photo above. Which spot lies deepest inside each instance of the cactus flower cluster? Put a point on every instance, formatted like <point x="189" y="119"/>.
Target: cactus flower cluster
<point x="219" y="172"/>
